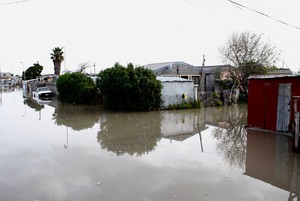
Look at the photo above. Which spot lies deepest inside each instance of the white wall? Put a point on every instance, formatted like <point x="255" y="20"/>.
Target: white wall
<point x="172" y="92"/>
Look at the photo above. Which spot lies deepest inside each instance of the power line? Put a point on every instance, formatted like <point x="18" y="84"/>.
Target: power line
<point x="263" y="14"/>
<point x="13" y="2"/>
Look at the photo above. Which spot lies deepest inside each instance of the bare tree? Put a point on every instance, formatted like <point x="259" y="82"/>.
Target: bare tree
<point x="83" y="66"/>
<point x="248" y="54"/>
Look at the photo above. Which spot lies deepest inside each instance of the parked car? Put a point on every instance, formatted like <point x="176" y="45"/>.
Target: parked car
<point x="42" y="93"/>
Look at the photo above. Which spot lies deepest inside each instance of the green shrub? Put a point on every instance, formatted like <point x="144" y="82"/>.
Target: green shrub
<point x="76" y="88"/>
<point x="216" y="99"/>
<point x="243" y="98"/>
<point x="191" y="104"/>
<point x="129" y="88"/>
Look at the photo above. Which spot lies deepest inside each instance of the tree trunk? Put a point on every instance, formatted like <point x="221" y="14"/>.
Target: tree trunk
<point x="57" y="65"/>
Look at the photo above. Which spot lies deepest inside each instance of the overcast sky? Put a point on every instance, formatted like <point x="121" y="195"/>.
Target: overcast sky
<point x="138" y="31"/>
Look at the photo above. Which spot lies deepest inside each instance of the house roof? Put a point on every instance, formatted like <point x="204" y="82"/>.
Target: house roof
<point x="172" y="79"/>
<point x="156" y="66"/>
<point x="182" y="68"/>
<point x="172" y="68"/>
<point x="280" y="71"/>
<point x="212" y="69"/>
<point x="271" y="76"/>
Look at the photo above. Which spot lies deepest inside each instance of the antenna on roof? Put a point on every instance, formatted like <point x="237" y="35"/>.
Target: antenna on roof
<point x="203" y="60"/>
<point x="284" y="64"/>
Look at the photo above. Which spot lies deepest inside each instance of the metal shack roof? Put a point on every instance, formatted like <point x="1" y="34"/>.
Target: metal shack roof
<point x="272" y="76"/>
<point x="172" y="79"/>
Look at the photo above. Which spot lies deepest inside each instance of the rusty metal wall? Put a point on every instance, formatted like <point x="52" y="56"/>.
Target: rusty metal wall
<point x="263" y="109"/>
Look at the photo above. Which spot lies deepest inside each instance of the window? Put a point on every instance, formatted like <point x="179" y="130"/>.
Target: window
<point x="196" y="79"/>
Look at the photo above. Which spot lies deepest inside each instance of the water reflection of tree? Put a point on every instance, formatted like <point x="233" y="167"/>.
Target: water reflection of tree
<point x="77" y="117"/>
<point x="33" y="104"/>
<point x="232" y="136"/>
<point x="132" y="133"/>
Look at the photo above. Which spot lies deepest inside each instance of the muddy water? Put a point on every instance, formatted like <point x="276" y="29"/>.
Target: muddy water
<point x="52" y="151"/>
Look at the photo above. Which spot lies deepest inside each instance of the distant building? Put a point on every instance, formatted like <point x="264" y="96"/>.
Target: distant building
<point x="6" y="75"/>
<point x="211" y="77"/>
<point x="6" y="79"/>
<point x="205" y="78"/>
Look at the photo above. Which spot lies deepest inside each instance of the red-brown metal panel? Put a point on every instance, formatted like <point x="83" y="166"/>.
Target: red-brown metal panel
<point x="263" y="101"/>
<point x="255" y="103"/>
<point x="270" y="105"/>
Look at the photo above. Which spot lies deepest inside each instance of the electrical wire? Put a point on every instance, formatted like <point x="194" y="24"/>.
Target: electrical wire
<point x="263" y="14"/>
<point x="13" y="2"/>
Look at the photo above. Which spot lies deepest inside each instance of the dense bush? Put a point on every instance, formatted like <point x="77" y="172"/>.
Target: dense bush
<point x="129" y="88"/>
<point x="76" y="88"/>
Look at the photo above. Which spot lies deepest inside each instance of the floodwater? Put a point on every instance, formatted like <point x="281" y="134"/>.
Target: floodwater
<point x="57" y="152"/>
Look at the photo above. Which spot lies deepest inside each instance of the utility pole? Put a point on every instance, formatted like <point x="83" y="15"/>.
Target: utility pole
<point x="203" y="60"/>
<point x="23" y="69"/>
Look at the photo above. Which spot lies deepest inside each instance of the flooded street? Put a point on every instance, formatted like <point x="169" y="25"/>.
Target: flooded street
<point x="57" y="152"/>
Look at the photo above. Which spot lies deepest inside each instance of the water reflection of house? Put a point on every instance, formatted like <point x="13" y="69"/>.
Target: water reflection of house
<point x="269" y="159"/>
<point x="181" y="125"/>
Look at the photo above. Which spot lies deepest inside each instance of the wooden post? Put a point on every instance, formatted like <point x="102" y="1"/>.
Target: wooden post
<point x="296" y="119"/>
<point x="296" y="129"/>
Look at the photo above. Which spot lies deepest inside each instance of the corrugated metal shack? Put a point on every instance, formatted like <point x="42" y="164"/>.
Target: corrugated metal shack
<point x="273" y="103"/>
<point x="176" y="90"/>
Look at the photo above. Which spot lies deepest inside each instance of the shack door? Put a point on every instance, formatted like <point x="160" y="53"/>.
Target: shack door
<point x="283" y="107"/>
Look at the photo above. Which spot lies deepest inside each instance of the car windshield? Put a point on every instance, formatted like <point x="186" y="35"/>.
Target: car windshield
<point x="43" y="89"/>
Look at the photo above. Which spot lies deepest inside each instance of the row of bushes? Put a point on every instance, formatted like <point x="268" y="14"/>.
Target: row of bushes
<point x="122" y="88"/>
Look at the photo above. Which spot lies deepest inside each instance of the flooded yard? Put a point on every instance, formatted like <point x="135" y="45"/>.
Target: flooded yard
<point x="58" y="152"/>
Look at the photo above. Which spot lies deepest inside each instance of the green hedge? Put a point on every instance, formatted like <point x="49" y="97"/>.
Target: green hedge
<point x="76" y="88"/>
<point x="129" y="88"/>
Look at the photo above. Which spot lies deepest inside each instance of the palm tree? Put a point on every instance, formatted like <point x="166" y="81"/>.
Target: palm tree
<point x="57" y="57"/>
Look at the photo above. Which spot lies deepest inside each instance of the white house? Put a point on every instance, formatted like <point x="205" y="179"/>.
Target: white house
<point x="6" y="79"/>
<point x="177" y="90"/>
